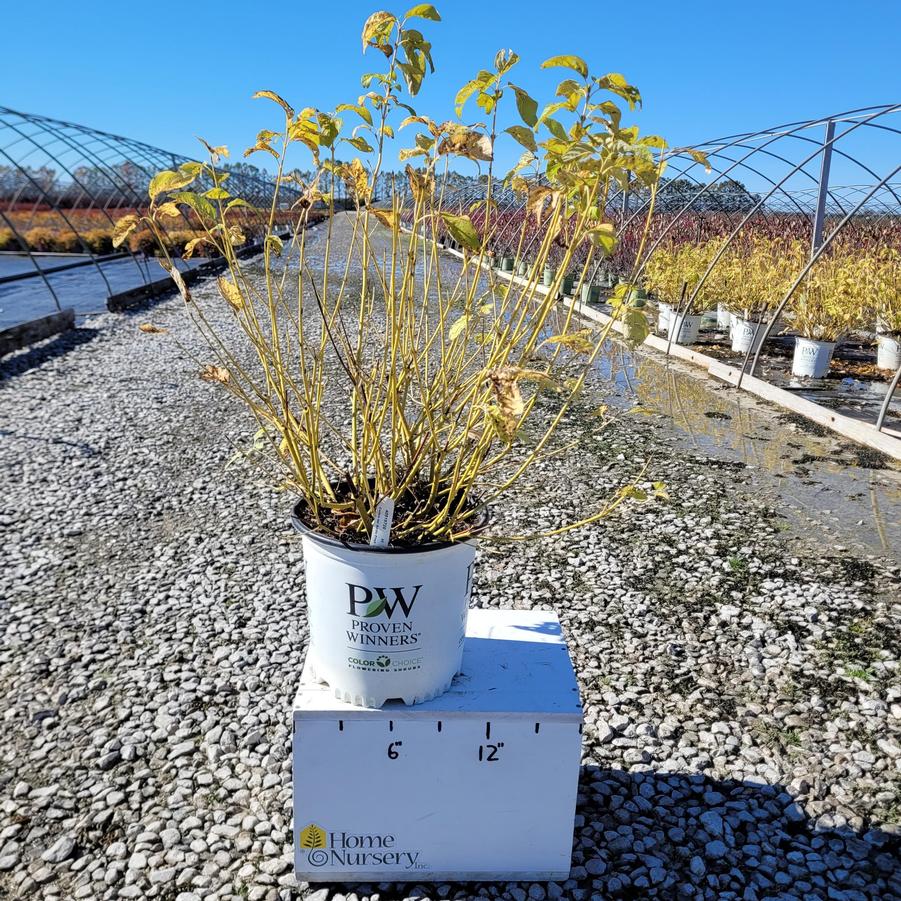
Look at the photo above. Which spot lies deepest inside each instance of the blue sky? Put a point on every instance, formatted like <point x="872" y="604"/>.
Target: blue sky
<point x="165" y="71"/>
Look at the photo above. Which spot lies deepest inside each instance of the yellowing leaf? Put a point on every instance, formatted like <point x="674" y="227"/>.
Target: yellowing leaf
<point x="422" y="185"/>
<point x="275" y="244"/>
<point x="603" y="237"/>
<point x="191" y="247"/>
<point x="360" y="110"/>
<point x="215" y="152"/>
<point x="123" y="228"/>
<point x="464" y="142"/>
<point x="168" y="210"/>
<point x="423" y="11"/>
<point x="168" y="181"/>
<point x="458" y="328"/>
<point x="386" y="217"/>
<point x="151" y="329"/>
<point x="580" y="342"/>
<point x="177" y="278"/>
<point x="575" y="63"/>
<point x="271" y="95"/>
<point x="462" y="230"/>
<point x="523" y="135"/>
<point x="230" y="292"/>
<point x="377" y="29"/>
<point x="211" y="373"/>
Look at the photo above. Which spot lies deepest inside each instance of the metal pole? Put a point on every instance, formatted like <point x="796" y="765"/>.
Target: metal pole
<point x="819" y="216"/>
<point x="880" y="419"/>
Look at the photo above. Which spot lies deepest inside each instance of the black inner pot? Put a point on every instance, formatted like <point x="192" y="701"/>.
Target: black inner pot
<point x="303" y="523"/>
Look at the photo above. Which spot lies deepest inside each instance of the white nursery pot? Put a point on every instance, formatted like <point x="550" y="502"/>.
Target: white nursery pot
<point x="811" y="357"/>
<point x="888" y="352"/>
<point x="684" y="328"/>
<point x="723" y="317"/>
<point x="664" y="311"/>
<point x="386" y="623"/>
<point x="747" y="335"/>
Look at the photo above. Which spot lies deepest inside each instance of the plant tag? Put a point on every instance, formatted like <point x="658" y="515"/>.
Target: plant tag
<point x="381" y="525"/>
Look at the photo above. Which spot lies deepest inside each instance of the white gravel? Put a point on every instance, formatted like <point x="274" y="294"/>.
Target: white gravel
<point x="741" y="687"/>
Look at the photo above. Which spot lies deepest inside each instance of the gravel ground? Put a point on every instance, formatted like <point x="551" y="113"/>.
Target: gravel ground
<point x="741" y="685"/>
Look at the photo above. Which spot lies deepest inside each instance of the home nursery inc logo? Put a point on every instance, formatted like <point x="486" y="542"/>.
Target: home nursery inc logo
<point x="312" y="837"/>
<point x="341" y="849"/>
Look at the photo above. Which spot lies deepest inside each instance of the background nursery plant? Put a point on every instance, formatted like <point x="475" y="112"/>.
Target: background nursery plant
<point x="442" y="383"/>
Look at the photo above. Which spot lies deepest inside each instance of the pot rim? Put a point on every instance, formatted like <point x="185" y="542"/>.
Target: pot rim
<point x="481" y="523"/>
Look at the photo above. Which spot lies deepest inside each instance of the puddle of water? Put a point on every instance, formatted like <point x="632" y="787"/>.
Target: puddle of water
<point x="809" y="473"/>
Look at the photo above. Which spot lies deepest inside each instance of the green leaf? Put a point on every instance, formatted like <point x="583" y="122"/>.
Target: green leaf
<point x="375" y="608"/>
<point x="528" y="108"/>
<point x="462" y="230"/>
<point x="636" y="325"/>
<point x="238" y="201"/>
<point x="423" y="11"/>
<point x="198" y="203"/>
<point x="576" y="63"/>
<point x="217" y="193"/>
<point x="524" y="135"/>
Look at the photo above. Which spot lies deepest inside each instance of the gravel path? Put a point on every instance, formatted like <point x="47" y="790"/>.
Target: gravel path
<point x="741" y="686"/>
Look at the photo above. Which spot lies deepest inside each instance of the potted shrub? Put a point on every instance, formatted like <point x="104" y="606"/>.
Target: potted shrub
<point x="507" y="262"/>
<point x="826" y="306"/>
<point x="522" y="268"/>
<point x="590" y="293"/>
<point x="670" y="275"/>
<point x="440" y="401"/>
<point x="567" y="286"/>
<point x="885" y="299"/>
<point x="548" y="276"/>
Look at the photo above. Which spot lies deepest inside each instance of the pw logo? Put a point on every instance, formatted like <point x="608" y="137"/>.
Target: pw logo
<point x="368" y="602"/>
<point x="312" y="837"/>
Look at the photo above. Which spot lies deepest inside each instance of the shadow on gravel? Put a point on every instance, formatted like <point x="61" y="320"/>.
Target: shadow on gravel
<point x="675" y="835"/>
<point x="24" y="360"/>
<point x="659" y="834"/>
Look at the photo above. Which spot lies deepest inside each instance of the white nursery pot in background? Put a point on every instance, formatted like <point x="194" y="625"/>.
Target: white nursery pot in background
<point x="684" y="328"/>
<point x="386" y="623"/>
<point x="723" y="316"/>
<point x="664" y="311"/>
<point x="888" y="352"/>
<point x="811" y="357"/>
<point x="746" y="334"/>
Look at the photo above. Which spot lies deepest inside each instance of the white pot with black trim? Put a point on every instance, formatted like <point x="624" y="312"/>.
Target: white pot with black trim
<point x="747" y="334"/>
<point x="723" y="317"/>
<point x="888" y="351"/>
<point x="812" y="358"/>
<point x="684" y="327"/>
<point x="385" y="622"/>
<point x="664" y="311"/>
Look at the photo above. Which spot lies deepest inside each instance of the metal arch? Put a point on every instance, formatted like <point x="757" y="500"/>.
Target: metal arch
<point x="688" y="306"/>
<point x="98" y="172"/>
<point x="813" y="258"/>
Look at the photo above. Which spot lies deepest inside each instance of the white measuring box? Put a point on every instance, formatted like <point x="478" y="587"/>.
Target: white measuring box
<point x="479" y="783"/>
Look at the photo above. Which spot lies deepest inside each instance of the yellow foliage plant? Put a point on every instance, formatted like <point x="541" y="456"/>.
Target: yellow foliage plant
<point x="432" y="369"/>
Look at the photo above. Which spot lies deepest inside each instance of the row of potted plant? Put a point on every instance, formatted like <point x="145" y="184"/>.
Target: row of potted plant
<point x="747" y="279"/>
